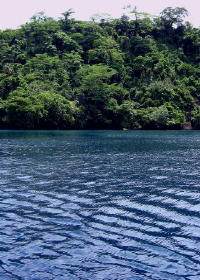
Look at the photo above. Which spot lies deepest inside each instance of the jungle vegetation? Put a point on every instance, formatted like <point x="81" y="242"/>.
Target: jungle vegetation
<point x="134" y="72"/>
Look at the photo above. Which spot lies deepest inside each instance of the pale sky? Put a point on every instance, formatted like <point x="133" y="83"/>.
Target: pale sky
<point x="13" y="13"/>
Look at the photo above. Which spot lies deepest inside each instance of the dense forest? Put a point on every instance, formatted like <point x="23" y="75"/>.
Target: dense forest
<point x="134" y="72"/>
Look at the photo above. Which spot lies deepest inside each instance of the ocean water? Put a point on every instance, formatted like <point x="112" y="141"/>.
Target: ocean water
<point x="100" y="205"/>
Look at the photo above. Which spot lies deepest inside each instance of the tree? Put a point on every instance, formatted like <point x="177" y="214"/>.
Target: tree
<point x="64" y="43"/>
<point x="98" y="95"/>
<point x="138" y="71"/>
<point x="66" y="22"/>
<point x="40" y="17"/>
<point x="173" y="16"/>
<point x="42" y="110"/>
<point x="49" y="69"/>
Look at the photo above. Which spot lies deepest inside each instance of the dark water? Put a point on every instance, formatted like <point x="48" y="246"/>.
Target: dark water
<point x="100" y="205"/>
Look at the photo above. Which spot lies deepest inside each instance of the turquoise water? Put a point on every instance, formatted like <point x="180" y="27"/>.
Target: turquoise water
<point x="113" y="205"/>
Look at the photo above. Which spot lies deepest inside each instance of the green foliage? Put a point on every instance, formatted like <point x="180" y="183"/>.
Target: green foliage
<point x="135" y="72"/>
<point x="196" y="117"/>
<point x="95" y="93"/>
<point x="64" y="43"/>
<point x="171" y="16"/>
<point x="42" y="110"/>
<point x="166" y="116"/>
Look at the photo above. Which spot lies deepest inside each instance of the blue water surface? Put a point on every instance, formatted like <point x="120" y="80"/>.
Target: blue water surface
<point x="99" y="205"/>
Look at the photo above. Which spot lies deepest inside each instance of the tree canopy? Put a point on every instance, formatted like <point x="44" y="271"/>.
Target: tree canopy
<point x="135" y="72"/>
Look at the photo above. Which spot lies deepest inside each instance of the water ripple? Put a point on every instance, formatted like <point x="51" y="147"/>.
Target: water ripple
<point x="99" y="205"/>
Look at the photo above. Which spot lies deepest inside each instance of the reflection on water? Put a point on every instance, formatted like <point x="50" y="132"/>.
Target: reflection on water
<point x="113" y="205"/>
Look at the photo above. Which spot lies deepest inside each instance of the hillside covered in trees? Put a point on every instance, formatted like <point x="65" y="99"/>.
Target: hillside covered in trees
<point x="133" y="72"/>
